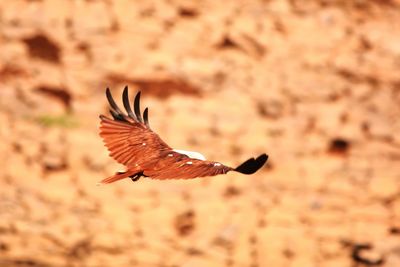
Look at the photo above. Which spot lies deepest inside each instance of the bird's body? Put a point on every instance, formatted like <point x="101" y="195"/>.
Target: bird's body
<point x="132" y="143"/>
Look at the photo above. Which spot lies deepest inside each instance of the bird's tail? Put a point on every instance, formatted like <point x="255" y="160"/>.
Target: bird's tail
<point x="118" y="176"/>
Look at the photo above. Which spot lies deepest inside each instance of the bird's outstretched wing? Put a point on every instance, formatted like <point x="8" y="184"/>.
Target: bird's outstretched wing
<point x="129" y="138"/>
<point x="177" y="166"/>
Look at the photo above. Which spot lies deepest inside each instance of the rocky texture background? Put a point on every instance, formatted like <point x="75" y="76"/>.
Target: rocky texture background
<point x="315" y="84"/>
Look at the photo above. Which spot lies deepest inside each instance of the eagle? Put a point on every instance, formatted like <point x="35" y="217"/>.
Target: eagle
<point x="131" y="142"/>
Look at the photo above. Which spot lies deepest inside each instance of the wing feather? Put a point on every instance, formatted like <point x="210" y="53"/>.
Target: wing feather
<point x="127" y="138"/>
<point x="188" y="168"/>
<point x="127" y="105"/>
<point x="112" y="102"/>
<point x="117" y="116"/>
<point x="137" y="107"/>
<point x="180" y="166"/>
<point x="146" y="117"/>
<point x="126" y="156"/>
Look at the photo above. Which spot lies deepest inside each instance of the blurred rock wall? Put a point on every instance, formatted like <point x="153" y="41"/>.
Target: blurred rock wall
<point x="315" y="84"/>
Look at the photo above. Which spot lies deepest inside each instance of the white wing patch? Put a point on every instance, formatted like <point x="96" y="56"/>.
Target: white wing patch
<point x="191" y="154"/>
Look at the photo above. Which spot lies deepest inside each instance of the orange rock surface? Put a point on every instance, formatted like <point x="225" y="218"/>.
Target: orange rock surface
<point x="315" y="84"/>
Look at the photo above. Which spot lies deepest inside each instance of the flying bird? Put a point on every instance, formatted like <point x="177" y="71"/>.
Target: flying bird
<point x="131" y="142"/>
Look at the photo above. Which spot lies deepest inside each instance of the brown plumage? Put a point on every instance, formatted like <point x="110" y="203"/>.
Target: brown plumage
<point x="132" y="143"/>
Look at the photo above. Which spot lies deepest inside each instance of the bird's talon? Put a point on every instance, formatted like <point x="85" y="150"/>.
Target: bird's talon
<point x="135" y="179"/>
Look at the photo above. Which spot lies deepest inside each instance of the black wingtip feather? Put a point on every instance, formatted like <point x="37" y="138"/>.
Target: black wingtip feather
<point x="252" y="165"/>
<point x="137" y="107"/>
<point x="112" y="102"/>
<point x="117" y="116"/>
<point x="125" y="100"/>
<point x="146" y="117"/>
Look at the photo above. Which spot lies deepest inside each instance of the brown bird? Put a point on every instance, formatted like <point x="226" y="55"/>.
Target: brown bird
<point x="132" y="143"/>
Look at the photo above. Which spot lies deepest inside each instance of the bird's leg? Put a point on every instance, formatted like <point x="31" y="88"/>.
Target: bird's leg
<point x="135" y="177"/>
